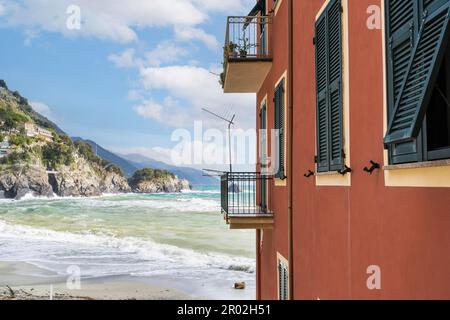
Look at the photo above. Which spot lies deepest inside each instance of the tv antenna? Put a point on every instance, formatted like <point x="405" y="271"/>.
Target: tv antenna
<point x="230" y="123"/>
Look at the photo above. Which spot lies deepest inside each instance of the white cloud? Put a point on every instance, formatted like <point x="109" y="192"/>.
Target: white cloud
<point x="199" y="88"/>
<point x="165" y="52"/>
<point x="135" y="95"/>
<point x="191" y="33"/>
<point x="42" y="108"/>
<point x="30" y="35"/>
<point x="126" y="59"/>
<point x="2" y="10"/>
<point x="115" y="20"/>
<point x="168" y="112"/>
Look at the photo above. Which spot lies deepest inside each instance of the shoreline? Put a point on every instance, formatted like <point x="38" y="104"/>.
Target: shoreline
<point x="19" y="281"/>
<point x="29" y="282"/>
<point x="30" y="196"/>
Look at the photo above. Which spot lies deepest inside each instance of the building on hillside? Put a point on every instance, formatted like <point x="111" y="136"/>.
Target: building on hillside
<point x="355" y="95"/>
<point x="5" y="143"/>
<point x="4" y="147"/>
<point x="33" y="130"/>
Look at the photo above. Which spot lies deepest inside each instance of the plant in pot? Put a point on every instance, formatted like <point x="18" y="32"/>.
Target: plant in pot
<point x="230" y="50"/>
<point x="245" y="47"/>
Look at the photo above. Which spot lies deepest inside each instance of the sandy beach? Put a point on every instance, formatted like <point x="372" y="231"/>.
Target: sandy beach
<point x="19" y="282"/>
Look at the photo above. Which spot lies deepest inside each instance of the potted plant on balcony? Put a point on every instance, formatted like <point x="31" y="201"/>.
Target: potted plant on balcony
<point x="230" y="50"/>
<point x="245" y="47"/>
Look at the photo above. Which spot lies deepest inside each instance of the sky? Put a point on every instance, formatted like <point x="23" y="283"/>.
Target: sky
<point x="128" y="74"/>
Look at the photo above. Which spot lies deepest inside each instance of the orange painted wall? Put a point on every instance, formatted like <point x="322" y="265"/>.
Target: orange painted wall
<point x="340" y="231"/>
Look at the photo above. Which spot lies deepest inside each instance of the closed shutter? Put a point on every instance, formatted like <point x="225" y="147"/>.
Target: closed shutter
<point x="329" y="116"/>
<point x="335" y="85"/>
<point x="279" y="127"/>
<point x="323" y="162"/>
<point x="263" y="157"/>
<point x="417" y="85"/>
<point x="283" y="281"/>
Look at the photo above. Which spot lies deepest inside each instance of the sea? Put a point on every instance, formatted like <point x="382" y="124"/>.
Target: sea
<point x="175" y="240"/>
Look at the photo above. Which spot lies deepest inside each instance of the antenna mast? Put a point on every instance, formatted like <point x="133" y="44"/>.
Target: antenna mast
<point x="230" y="123"/>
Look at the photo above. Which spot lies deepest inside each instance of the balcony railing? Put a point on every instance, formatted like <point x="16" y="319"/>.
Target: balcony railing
<point x="245" y="200"/>
<point x="245" y="193"/>
<point x="247" y="40"/>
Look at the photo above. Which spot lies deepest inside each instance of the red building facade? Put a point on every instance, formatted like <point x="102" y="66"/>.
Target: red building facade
<point x="362" y="210"/>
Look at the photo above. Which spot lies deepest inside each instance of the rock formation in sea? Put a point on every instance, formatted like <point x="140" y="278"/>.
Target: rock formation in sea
<point x="157" y="181"/>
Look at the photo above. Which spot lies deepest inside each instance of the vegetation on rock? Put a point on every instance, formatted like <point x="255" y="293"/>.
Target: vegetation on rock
<point x="148" y="174"/>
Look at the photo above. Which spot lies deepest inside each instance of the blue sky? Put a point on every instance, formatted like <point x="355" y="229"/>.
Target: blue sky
<point x="131" y="74"/>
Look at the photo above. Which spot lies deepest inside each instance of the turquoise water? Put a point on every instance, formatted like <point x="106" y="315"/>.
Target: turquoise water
<point x="174" y="236"/>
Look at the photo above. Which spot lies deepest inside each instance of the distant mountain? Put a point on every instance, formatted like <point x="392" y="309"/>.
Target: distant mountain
<point x="133" y="162"/>
<point x="194" y="176"/>
<point x="127" y="168"/>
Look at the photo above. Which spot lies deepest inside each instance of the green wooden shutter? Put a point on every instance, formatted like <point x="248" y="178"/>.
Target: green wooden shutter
<point x="415" y="92"/>
<point x="263" y="155"/>
<point x="323" y="162"/>
<point x="329" y="117"/>
<point x="283" y="281"/>
<point x="401" y="31"/>
<point x="279" y="126"/>
<point x="280" y="281"/>
<point x="335" y="86"/>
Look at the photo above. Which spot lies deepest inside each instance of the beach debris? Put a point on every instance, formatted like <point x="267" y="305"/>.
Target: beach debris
<point x="11" y="292"/>
<point x="239" y="285"/>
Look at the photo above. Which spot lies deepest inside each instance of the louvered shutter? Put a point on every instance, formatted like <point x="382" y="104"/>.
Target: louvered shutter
<point x="416" y="87"/>
<point x="263" y="155"/>
<point x="323" y="162"/>
<point x="329" y="117"/>
<point x="335" y="85"/>
<point x="401" y="29"/>
<point x="279" y="127"/>
<point x="283" y="281"/>
<point x="280" y="281"/>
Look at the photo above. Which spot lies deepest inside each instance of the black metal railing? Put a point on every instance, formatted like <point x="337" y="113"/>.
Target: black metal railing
<point x="248" y="37"/>
<point x="245" y="193"/>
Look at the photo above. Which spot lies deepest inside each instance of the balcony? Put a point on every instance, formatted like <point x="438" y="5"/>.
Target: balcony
<point x="247" y="54"/>
<point x="242" y="206"/>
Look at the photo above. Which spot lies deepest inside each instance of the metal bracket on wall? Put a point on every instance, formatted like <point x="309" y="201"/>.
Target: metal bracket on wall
<point x="345" y="170"/>
<point x="309" y="174"/>
<point x="374" y="167"/>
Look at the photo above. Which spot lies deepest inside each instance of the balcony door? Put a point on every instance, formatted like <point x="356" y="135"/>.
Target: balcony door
<point x="263" y="156"/>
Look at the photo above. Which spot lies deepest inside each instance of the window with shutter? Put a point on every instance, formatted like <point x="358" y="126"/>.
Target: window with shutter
<point x="418" y="83"/>
<point x="401" y="30"/>
<point x="263" y="155"/>
<point x="418" y="109"/>
<point x="328" y="41"/>
<point x="279" y="129"/>
<point x="283" y="280"/>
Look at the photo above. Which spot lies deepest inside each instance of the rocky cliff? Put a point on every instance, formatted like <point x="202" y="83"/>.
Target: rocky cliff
<point x="80" y="179"/>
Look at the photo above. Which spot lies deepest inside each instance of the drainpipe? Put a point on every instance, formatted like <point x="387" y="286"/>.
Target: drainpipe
<point x="290" y="148"/>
